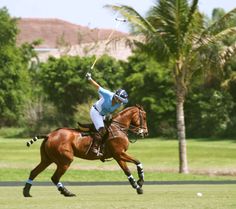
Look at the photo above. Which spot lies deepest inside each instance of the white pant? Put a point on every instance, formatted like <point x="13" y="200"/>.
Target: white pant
<point x="96" y="118"/>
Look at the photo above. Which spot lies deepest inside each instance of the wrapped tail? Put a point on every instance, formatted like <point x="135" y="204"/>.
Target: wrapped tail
<point x="35" y="139"/>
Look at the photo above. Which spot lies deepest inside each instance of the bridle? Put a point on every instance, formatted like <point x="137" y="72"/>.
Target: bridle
<point x="139" y="130"/>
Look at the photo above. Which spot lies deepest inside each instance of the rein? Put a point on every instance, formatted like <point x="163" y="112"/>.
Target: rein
<point x="134" y="129"/>
<point x="123" y="129"/>
<point x="121" y="126"/>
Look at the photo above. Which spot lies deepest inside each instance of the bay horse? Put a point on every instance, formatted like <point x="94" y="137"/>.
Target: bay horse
<point x="61" y="145"/>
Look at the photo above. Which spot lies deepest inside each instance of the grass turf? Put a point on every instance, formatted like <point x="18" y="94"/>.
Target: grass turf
<point x="213" y="159"/>
<point x="123" y="197"/>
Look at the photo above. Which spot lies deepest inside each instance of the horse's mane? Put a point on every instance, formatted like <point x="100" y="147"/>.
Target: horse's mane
<point x="127" y="109"/>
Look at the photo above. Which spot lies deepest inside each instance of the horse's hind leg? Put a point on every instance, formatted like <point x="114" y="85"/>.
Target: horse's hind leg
<point x="45" y="162"/>
<point x="38" y="169"/>
<point x="61" y="169"/>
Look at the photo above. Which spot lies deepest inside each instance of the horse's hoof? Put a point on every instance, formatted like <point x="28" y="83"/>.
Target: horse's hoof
<point x="139" y="190"/>
<point x="140" y="182"/>
<point x="26" y="194"/>
<point x="26" y="190"/>
<point x="69" y="195"/>
<point x="65" y="192"/>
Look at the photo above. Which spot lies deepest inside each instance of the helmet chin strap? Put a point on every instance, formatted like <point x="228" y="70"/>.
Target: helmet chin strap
<point x="117" y="100"/>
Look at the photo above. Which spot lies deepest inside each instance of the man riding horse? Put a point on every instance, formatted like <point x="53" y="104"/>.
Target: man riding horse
<point x="106" y="105"/>
<point x="60" y="146"/>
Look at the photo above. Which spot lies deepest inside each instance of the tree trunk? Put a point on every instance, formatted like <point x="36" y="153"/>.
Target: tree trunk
<point x="183" y="164"/>
<point x="180" y="75"/>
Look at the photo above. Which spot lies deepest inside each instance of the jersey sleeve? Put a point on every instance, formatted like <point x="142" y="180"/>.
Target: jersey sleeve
<point x="104" y="93"/>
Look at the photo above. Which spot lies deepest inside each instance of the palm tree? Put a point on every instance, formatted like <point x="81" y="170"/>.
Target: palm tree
<point x="175" y="33"/>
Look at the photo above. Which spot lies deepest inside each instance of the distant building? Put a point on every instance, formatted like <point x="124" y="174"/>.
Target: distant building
<point x="60" y="37"/>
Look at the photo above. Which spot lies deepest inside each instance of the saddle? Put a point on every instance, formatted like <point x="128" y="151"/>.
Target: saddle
<point x="86" y="129"/>
<point x="98" y="145"/>
<point x="89" y="128"/>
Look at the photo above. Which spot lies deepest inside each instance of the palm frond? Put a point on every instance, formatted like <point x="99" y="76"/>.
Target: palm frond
<point x="218" y="25"/>
<point x="227" y="53"/>
<point x="190" y="16"/>
<point x="223" y="34"/>
<point x="192" y="10"/>
<point x="212" y="39"/>
<point x="133" y="17"/>
<point x="176" y="20"/>
<point x="153" y="37"/>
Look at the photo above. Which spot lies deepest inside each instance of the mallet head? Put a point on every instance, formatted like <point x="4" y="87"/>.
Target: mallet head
<point x="121" y="20"/>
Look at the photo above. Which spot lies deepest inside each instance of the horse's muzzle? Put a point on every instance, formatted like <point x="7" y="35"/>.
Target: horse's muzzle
<point x="142" y="132"/>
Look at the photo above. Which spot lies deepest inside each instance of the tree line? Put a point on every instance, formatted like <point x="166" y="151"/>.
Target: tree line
<point x="42" y="96"/>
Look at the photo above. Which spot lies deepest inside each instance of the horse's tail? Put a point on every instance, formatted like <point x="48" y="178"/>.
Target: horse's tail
<point x="35" y="139"/>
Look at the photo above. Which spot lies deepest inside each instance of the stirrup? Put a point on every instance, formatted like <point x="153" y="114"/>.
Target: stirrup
<point x="97" y="152"/>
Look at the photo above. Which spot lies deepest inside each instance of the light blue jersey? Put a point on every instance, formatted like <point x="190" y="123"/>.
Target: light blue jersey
<point x="104" y="104"/>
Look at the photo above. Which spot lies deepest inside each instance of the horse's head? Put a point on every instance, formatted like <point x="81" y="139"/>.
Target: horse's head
<point x="138" y="122"/>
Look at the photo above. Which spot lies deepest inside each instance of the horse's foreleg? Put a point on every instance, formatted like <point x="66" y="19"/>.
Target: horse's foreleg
<point x="61" y="169"/>
<point x="127" y="158"/>
<point x="140" y="174"/>
<point x="130" y="177"/>
<point x="38" y="169"/>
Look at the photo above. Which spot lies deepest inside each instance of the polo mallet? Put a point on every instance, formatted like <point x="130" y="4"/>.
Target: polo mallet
<point x="118" y="22"/>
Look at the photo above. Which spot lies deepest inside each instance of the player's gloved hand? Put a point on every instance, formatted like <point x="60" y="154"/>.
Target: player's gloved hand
<point x="88" y="76"/>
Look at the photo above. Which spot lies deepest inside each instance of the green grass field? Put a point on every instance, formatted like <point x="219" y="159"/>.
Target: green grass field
<point x="123" y="197"/>
<point x="208" y="160"/>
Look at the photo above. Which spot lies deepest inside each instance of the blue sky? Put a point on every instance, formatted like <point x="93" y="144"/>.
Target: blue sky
<point x="91" y="12"/>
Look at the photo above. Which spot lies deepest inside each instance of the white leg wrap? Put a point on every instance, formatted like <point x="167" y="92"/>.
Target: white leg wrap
<point x="59" y="185"/>
<point x="29" y="181"/>
<point x="131" y="176"/>
<point x="140" y="165"/>
<point x="140" y="170"/>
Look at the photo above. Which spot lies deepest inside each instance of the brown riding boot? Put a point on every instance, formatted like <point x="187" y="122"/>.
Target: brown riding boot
<point x="98" y="141"/>
<point x="96" y="148"/>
